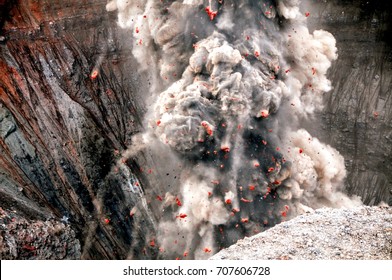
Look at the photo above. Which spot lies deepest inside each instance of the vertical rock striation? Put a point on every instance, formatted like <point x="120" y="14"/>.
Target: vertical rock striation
<point x="61" y="128"/>
<point x="357" y="118"/>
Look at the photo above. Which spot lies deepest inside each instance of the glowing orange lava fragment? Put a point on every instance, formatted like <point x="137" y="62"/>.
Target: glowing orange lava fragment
<point x="207" y="128"/>
<point x="301" y="151"/>
<point x="94" y="74"/>
<point x="226" y="149"/>
<point x="107" y="221"/>
<point x="212" y="14"/>
<point x="276" y="182"/>
<point x="284" y="214"/>
<point x="209" y="194"/>
<point x="152" y="243"/>
<point x="137" y="29"/>
<point x="185" y="254"/>
<point x="158" y="122"/>
<point x="257" y="164"/>
<point x="182" y="216"/>
<point x="257" y="54"/>
<point x="252" y="188"/>
<point x="228" y="201"/>
<point x="271" y="169"/>
<point x="159" y="198"/>
<point x="264" y="113"/>
<point x="178" y="201"/>
<point x="207" y="250"/>
<point x="307" y="14"/>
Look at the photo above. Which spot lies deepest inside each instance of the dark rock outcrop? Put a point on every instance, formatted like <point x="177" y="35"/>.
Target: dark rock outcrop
<point x="38" y="240"/>
<point x="60" y="129"/>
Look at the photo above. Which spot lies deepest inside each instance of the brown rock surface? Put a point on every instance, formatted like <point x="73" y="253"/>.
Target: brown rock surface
<point x="40" y="240"/>
<point x="60" y="129"/>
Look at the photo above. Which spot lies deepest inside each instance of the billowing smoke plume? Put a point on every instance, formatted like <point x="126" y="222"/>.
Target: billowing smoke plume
<point x="232" y="81"/>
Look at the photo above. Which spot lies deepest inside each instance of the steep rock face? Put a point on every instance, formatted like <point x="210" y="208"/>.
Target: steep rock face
<point x="71" y="98"/>
<point x="357" y="119"/>
<point x="60" y="128"/>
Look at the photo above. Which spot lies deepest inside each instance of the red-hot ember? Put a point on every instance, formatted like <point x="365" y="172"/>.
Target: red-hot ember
<point x="182" y="216"/>
<point x="226" y="149"/>
<point x="264" y="113"/>
<point x="212" y="14"/>
<point x="94" y="74"/>
<point x="207" y="127"/>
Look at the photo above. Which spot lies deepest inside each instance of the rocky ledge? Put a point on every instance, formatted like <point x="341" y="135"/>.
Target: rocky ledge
<point x="363" y="233"/>
<point x="41" y="240"/>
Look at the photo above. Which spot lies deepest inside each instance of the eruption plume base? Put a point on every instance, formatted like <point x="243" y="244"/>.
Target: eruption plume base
<point x="232" y="116"/>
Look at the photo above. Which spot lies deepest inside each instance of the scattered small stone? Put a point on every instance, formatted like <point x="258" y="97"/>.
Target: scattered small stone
<point x="361" y="233"/>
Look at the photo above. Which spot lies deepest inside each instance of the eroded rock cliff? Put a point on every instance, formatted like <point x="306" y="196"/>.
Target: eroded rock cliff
<point x="61" y="129"/>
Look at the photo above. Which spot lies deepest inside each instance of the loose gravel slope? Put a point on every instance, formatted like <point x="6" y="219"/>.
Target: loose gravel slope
<point x="363" y="233"/>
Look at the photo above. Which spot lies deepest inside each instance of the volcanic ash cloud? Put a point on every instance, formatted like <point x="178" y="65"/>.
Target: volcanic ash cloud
<point x="231" y="82"/>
